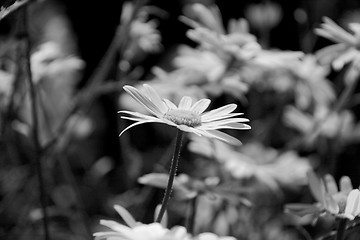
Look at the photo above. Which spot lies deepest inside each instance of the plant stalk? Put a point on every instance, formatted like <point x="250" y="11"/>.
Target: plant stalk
<point x="173" y="168"/>
<point x="35" y="122"/>
<point x="192" y="215"/>
<point x="341" y="229"/>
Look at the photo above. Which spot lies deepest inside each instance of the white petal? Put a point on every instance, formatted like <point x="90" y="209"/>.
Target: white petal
<point x="185" y="103"/>
<point x="330" y="204"/>
<point x="140" y="122"/>
<point x="224" y="137"/>
<point x="344" y="58"/>
<point x="155" y="98"/>
<point x="170" y="104"/>
<point x="110" y="235"/>
<point x="353" y="203"/>
<point x="143" y="100"/>
<point x="225" y="121"/>
<point x="200" y="106"/>
<point x="234" y="125"/>
<point x="138" y="115"/>
<point x="126" y="216"/>
<point x="218" y="113"/>
<point x="115" y="226"/>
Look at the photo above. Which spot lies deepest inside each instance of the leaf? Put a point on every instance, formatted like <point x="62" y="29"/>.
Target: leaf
<point x="301" y="209"/>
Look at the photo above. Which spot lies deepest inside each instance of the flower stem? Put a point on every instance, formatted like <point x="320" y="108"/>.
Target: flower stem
<point x="35" y="122"/>
<point x="341" y="229"/>
<point x="173" y="168"/>
<point x="192" y="214"/>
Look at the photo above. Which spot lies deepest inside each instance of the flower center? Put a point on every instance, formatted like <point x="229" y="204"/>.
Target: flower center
<point x="183" y="117"/>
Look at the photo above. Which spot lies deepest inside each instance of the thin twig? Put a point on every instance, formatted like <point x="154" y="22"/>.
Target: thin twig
<point x="35" y="122"/>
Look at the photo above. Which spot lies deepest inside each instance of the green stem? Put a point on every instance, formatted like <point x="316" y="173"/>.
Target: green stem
<point x="341" y="229"/>
<point x="35" y="122"/>
<point x="173" y="168"/>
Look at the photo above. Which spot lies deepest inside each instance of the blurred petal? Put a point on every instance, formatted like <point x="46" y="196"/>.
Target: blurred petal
<point x="125" y="215"/>
<point x="330" y="184"/>
<point x="345" y="185"/>
<point x="154" y="97"/>
<point x="218" y="113"/>
<point x="185" y="103"/>
<point x="200" y="106"/>
<point x="353" y="203"/>
<point x="316" y="187"/>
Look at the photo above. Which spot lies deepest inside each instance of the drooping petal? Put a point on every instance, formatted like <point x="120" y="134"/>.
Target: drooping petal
<point x="155" y="98"/>
<point x="143" y="100"/>
<point x="141" y="122"/>
<point x="137" y="115"/>
<point x="218" y="113"/>
<point x="224" y="137"/>
<point x="126" y="216"/>
<point x="353" y="203"/>
<point x="185" y="103"/>
<point x="200" y="106"/>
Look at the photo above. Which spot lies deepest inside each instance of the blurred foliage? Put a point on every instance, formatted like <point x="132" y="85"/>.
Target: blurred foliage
<point x="292" y="72"/>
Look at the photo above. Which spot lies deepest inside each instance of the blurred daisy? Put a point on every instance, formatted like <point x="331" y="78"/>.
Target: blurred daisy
<point x="187" y="116"/>
<point x="137" y="230"/>
<point x="345" y="50"/>
<point x="153" y="231"/>
<point x="254" y="161"/>
<point x="341" y="203"/>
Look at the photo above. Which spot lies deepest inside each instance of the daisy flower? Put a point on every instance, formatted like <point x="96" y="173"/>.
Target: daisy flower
<point x="343" y="203"/>
<point x="153" y="231"/>
<point x="187" y="117"/>
<point x="345" y="50"/>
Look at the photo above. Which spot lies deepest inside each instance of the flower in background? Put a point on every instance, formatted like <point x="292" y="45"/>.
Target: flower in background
<point x="6" y="87"/>
<point x="266" y="165"/>
<point x="321" y="122"/>
<point x="347" y="45"/>
<point x="138" y="231"/>
<point x="223" y="57"/>
<point x="311" y="83"/>
<point x="186" y="116"/>
<point x="49" y="61"/>
<point x="264" y="15"/>
<point x="153" y="231"/>
<point x="343" y="203"/>
<point x="214" y="69"/>
<point x="187" y="187"/>
<point x="144" y="37"/>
